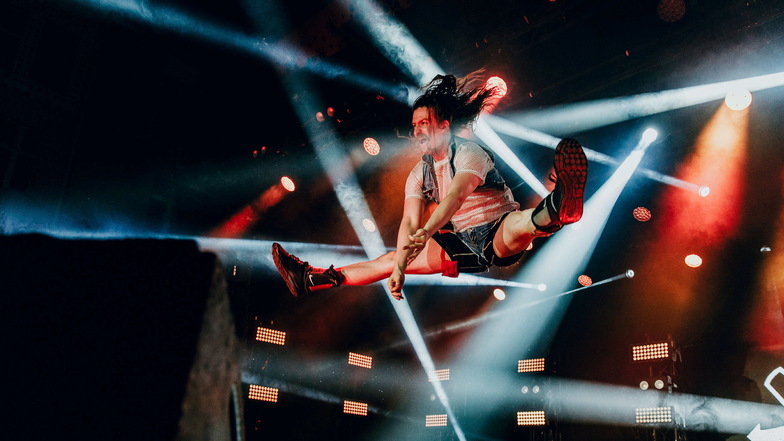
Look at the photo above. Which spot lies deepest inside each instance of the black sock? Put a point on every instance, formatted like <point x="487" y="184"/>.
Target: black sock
<point x="545" y="215"/>
<point x="321" y="278"/>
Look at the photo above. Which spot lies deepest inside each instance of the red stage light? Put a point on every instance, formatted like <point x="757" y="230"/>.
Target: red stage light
<point x="498" y="84"/>
<point x="671" y="11"/>
<point x="642" y="214"/>
<point x="585" y="280"/>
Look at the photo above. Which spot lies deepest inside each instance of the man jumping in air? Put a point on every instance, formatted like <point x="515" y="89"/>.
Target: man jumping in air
<point x="476" y="224"/>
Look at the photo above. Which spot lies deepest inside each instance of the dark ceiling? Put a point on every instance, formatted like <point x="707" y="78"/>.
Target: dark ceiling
<point x="115" y="122"/>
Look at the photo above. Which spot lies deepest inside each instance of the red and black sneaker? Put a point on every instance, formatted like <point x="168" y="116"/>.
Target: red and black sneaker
<point x="301" y="278"/>
<point x="571" y="172"/>
<point x="565" y="204"/>
<point x="293" y="270"/>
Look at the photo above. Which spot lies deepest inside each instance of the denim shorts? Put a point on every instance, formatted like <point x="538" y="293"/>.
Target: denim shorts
<point x="472" y="248"/>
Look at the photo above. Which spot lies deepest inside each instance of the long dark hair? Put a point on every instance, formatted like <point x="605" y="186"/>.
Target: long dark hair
<point x="458" y="100"/>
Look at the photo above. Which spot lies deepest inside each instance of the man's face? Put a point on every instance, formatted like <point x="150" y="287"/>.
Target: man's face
<point x="430" y="135"/>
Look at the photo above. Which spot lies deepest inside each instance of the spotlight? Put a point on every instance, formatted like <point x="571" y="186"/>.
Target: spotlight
<point x="355" y="408"/>
<point x="648" y="415"/>
<point x="765" y="249"/>
<point x="371" y="146"/>
<point x="499" y="294"/>
<point x="287" y="183"/>
<point x="499" y="84"/>
<point x="271" y="336"/>
<point x="657" y="383"/>
<point x="440" y="375"/>
<point x="364" y="361"/>
<point x="642" y="214"/>
<point x="585" y="280"/>
<point x="693" y="260"/>
<point x="531" y="418"/>
<point x="629" y="273"/>
<point x="263" y="393"/>
<point x="369" y="225"/>
<point x="541" y="287"/>
<point x="649" y="135"/>
<point x="738" y="99"/>
<point x="704" y="191"/>
<point x="530" y="365"/>
<point x="651" y="351"/>
<point x="319" y="117"/>
<point x="435" y="420"/>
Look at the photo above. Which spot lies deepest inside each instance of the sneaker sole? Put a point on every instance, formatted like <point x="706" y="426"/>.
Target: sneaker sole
<point x="290" y="284"/>
<point x="571" y="168"/>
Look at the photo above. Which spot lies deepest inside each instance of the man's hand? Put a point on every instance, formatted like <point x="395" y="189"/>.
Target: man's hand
<point x="396" y="281"/>
<point x="417" y="244"/>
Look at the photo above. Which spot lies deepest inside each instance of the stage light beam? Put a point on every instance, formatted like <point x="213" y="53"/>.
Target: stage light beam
<point x="250" y="214"/>
<point x="507" y="127"/>
<point x="335" y="163"/>
<point x="719" y="160"/>
<point x="599" y="113"/>
<point x="564" y="257"/>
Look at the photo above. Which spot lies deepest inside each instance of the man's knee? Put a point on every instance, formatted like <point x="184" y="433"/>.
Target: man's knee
<point x="385" y="261"/>
<point x="518" y="223"/>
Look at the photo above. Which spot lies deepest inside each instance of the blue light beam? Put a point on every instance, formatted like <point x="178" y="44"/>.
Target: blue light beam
<point x="599" y="113"/>
<point x="557" y="264"/>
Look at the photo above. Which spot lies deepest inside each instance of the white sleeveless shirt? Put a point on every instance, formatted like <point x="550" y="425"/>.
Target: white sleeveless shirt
<point x="482" y="206"/>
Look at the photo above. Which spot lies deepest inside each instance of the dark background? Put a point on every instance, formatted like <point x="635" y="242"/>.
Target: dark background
<point x="111" y="125"/>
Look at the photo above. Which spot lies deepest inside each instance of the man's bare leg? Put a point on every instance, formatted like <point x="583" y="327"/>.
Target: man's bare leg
<point x="301" y="277"/>
<point x="516" y="232"/>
